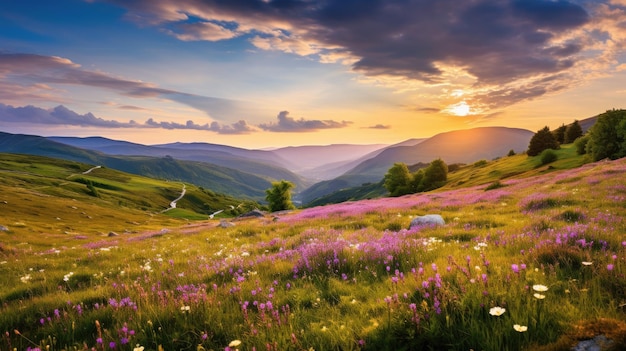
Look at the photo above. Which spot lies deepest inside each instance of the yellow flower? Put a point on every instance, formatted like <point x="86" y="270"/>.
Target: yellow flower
<point x="234" y="343"/>
<point x="520" y="328"/>
<point x="540" y="288"/>
<point x="496" y="311"/>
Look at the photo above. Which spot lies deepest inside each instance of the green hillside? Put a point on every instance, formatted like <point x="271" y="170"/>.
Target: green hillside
<point x="480" y="172"/>
<point x="44" y="194"/>
<point x="218" y="178"/>
<point x="537" y="264"/>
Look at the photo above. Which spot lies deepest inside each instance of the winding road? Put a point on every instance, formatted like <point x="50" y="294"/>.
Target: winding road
<point x="173" y="203"/>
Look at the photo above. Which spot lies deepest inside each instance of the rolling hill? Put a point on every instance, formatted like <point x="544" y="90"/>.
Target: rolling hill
<point x="462" y="146"/>
<point x="257" y="162"/>
<point x="218" y="179"/>
<point x="52" y="195"/>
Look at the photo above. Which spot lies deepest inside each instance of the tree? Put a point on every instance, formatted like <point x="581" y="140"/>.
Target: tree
<point x="435" y="175"/>
<point x="573" y="132"/>
<point x="542" y="140"/>
<point x="279" y="196"/>
<point x="607" y="137"/>
<point x="559" y="134"/>
<point x="397" y="180"/>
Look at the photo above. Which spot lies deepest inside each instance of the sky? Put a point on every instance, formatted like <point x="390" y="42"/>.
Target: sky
<point x="272" y="73"/>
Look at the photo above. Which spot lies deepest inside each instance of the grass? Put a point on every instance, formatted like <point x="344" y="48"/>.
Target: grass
<point x="350" y="276"/>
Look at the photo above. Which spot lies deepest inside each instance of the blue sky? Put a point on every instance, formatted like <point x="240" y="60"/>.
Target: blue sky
<point x="264" y="73"/>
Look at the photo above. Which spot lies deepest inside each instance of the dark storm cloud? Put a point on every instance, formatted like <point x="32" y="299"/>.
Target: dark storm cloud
<point x="496" y="41"/>
<point x="288" y="124"/>
<point x="61" y="115"/>
<point x="19" y="70"/>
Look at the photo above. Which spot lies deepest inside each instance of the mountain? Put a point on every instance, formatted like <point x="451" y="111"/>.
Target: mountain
<point x="218" y="179"/>
<point x="462" y="146"/>
<point x="309" y="157"/>
<point x="258" y="162"/>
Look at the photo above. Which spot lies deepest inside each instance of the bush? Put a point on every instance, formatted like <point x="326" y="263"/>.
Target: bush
<point x="548" y="156"/>
<point x="581" y="145"/>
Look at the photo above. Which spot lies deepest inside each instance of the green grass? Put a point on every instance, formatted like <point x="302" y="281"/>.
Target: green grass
<point x="339" y="277"/>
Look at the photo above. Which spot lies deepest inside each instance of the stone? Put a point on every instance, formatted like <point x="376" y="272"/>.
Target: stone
<point x="113" y="234"/>
<point x="3" y="228"/>
<point x="226" y="224"/>
<point x="427" y="220"/>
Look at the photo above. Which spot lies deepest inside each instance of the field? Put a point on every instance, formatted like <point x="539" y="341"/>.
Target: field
<point x="523" y="263"/>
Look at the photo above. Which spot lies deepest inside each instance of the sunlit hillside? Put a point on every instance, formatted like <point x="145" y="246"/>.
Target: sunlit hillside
<point x="535" y="263"/>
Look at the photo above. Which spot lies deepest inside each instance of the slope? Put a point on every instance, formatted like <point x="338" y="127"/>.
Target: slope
<point x="462" y="146"/>
<point x="52" y="195"/>
<point x="261" y="163"/>
<point x="216" y="178"/>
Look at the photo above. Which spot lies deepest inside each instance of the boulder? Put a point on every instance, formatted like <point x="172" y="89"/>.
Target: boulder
<point x="427" y="220"/>
<point x="226" y="224"/>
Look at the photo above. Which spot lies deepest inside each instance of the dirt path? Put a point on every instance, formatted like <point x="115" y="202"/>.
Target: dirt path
<point x="173" y="203"/>
<point x="91" y="169"/>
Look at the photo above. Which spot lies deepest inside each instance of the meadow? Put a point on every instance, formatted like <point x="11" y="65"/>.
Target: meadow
<point x="523" y="263"/>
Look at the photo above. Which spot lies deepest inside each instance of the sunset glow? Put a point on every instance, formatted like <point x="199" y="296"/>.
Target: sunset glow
<point x="261" y="73"/>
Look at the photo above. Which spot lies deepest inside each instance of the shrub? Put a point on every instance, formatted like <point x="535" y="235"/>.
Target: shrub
<point x="581" y="145"/>
<point x="548" y="156"/>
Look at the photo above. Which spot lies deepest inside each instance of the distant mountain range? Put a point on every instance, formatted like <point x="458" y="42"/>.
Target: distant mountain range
<point x="316" y="170"/>
<point x="461" y="146"/>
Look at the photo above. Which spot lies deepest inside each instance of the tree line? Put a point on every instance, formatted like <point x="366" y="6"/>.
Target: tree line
<point x="606" y="139"/>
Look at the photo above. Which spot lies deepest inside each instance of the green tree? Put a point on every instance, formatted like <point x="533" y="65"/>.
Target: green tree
<point x="573" y="132"/>
<point x="279" y="196"/>
<point x="559" y="134"/>
<point x="398" y="180"/>
<point x="435" y="175"/>
<point x="607" y="137"/>
<point x="542" y="140"/>
<point x="417" y="181"/>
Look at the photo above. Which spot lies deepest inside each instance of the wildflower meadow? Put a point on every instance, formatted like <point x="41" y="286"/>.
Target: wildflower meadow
<point x="533" y="264"/>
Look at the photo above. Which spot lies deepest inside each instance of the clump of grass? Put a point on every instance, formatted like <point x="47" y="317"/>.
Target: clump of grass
<point x="571" y="216"/>
<point x="564" y="257"/>
<point x="495" y="185"/>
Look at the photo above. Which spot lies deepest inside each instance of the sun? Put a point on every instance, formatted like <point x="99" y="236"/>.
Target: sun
<point x="461" y="109"/>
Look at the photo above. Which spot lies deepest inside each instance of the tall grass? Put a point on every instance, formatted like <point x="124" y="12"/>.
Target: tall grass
<point x="535" y="263"/>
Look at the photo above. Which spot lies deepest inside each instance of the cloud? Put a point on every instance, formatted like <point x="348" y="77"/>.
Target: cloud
<point x="379" y="126"/>
<point x="61" y="115"/>
<point x="480" y="46"/>
<point x="30" y="76"/>
<point x="288" y="124"/>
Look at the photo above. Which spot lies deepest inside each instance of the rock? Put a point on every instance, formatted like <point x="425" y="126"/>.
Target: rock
<point x="226" y="224"/>
<point x="427" y="220"/>
<point x="3" y="228"/>
<point x="253" y="213"/>
<point x="598" y="343"/>
<point x="113" y="234"/>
